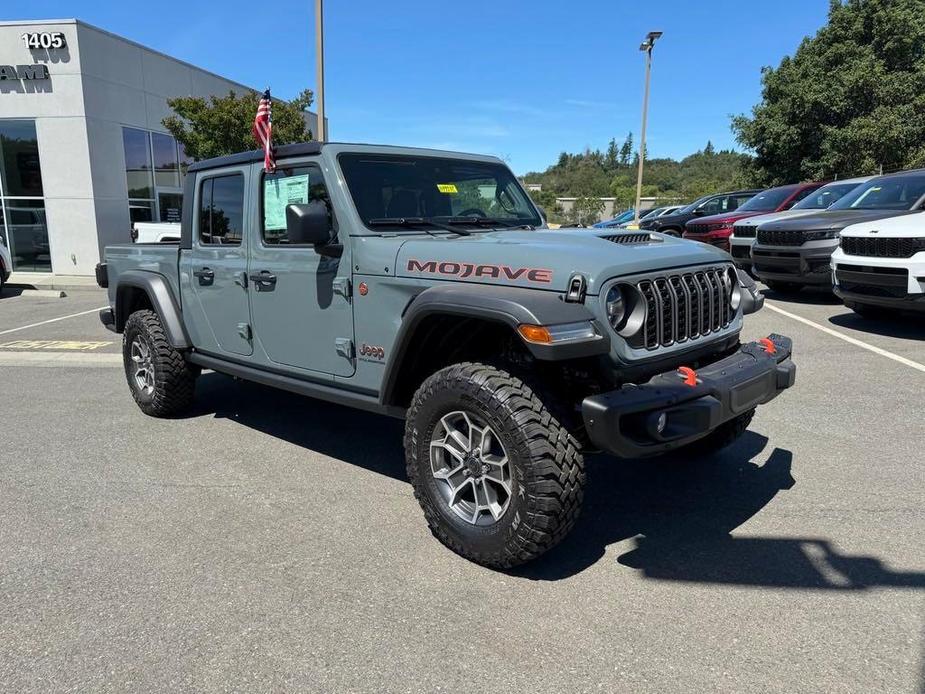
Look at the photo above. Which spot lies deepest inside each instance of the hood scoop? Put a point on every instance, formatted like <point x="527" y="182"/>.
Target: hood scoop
<point x="631" y="238"/>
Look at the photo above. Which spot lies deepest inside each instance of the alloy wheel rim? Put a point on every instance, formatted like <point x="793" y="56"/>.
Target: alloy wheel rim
<point x="471" y="467"/>
<point x="144" y="366"/>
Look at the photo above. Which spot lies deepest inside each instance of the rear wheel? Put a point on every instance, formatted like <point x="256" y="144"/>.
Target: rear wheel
<point x="162" y="382"/>
<point x="783" y="287"/>
<point x="499" y="478"/>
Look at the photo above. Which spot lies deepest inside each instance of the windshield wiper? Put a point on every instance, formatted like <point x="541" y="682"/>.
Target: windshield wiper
<point x="416" y="221"/>
<point x="488" y="221"/>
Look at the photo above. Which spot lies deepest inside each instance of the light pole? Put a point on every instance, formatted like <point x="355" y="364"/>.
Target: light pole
<point x="322" y="134"/>
<point x="646" y="47"/>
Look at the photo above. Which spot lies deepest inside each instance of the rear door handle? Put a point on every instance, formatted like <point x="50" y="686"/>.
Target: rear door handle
<point x="205" y="275"/>
<point x="263" y="280"/>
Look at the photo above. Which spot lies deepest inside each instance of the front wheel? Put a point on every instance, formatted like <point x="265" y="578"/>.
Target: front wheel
<point x="162" y="382"/>
<point x="499" y="478"/>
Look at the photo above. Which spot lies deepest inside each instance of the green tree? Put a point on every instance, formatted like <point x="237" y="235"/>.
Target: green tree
<point x="586" y="210"/>
<point x="626" y="150"/>
<point x="222" y="124"/>
<point x="852" y="98"/>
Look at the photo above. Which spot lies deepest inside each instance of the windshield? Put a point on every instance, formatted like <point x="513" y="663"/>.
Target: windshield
<point x="825" y="196"/>
<point x="893" y="193"/>
<point x="768" y="200"/>
<point x="385" y="186"/>
<point x="652" y="214"/>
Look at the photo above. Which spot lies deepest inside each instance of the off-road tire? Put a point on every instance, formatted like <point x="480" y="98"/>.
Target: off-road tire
<point x="783" y="287"/>
<point x="174" y="378"/>
<point x="547" y="467"/>
<point x="724" y="435"/>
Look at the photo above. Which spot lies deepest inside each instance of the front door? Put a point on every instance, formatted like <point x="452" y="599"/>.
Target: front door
<point x="215" y="267"/>
<point x="300" y="303"/>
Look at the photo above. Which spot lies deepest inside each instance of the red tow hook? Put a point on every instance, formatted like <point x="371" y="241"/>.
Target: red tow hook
<point x="768" y="345"/>
<point x="689" y="375"/>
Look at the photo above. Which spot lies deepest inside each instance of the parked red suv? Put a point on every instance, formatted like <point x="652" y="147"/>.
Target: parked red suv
<point x="716" y="229"/>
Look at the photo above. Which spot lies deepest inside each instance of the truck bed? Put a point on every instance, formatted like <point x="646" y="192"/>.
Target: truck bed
<point x="161" y="258"/>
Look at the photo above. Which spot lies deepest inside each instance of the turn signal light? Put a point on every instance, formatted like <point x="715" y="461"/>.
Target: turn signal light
<point x="535" y="333"/>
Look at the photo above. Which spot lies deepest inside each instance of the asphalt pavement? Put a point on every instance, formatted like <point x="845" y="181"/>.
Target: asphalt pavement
<point x="268" y="542"/>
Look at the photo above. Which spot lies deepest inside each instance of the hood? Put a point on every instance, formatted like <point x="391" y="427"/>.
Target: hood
<point x="775" y="216"/>
<point x="831" y="219"/>
<point x="905" y="226"/>
<point x="546" y="259"/>
<point x="674" y="219"/>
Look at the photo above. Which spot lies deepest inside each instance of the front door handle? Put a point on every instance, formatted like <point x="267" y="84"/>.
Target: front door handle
<point x="205" y="275"/>
<point x="263" y="280"/>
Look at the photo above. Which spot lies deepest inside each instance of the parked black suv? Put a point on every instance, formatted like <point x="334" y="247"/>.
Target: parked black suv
<point x="716" y="203"/>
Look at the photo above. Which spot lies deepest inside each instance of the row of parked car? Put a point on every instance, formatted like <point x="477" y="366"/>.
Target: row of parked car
<point x="865" y="237"/>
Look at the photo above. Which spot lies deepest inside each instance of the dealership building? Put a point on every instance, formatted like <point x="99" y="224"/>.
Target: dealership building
<point x="83" y="150"/>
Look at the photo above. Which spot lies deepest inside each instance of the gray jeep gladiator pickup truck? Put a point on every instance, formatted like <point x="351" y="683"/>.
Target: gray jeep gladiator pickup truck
<point x="424" y="285"/>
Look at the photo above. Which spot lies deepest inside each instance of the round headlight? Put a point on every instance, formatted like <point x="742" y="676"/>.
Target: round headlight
<point x="616" y="307"/>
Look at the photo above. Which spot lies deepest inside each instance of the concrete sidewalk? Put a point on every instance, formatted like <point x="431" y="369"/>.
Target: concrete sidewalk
<point x="47" y="280"/>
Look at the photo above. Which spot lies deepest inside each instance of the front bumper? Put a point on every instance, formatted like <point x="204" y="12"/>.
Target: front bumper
<point x="625" y="421"/>
<point x="741" y="251"/>
<point x="889" y="282"/>
<point x="806" y="264"/>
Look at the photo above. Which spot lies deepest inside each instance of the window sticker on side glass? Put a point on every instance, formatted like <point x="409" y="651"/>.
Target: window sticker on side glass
<point x="279" y="192"/>
<point x="448" y="188"/>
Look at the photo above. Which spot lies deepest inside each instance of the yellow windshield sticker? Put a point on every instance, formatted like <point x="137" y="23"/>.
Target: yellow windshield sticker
<point x="448" y="188"/>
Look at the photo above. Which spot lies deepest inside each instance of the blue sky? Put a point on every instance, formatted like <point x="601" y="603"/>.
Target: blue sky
<point x="522" y="80"/>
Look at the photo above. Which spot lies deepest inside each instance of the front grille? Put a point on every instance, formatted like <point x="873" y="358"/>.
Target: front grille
<point x="744" y="232"/>
<point x="629" y="238"/>
<point x="684" y="307"/>
<point x="698" y="228"/>
<point x="874" y="247"/>
<point x="780" y="238"/>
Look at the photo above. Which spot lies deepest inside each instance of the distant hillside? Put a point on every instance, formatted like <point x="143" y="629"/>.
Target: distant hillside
<point x="612" y="173"/>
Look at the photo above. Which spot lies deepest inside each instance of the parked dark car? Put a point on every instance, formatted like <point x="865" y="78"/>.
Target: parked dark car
<point x="791" y="253"/>
<point x="717" y="203"/>
<point x="716" y="229"/>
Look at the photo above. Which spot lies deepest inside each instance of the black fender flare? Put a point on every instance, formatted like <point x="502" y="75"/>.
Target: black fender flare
<point x="162" y="299"/>
<point x="510" y="306"/>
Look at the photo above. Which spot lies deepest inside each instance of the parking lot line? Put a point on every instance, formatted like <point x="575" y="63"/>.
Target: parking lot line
<point x="51" y="320"/>
<point x="53" y="359"/>
<point x="847" y="338"/>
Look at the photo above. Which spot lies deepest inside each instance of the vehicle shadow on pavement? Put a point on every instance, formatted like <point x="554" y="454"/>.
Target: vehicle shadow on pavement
<point x="899" y="325"/>
<point x="679" y="514"/>
<point x="678" y="511"/>
<point x="361" y="438"/>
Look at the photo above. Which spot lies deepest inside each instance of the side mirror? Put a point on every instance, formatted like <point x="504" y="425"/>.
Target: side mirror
<point x="308" y="224"/>
<point x="699" y="212"/>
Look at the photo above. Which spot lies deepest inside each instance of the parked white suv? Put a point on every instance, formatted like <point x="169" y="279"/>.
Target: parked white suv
<point x="6" y="262"/>
<point x="156" y="232"/>
<point x="881" y="264"/>
<point x="745" y="231"/>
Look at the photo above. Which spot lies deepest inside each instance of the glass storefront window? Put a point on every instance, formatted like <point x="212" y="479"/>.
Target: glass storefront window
<point x="185" y="160"/>
<point x="20" y="172"/>
<point x="138" y="167"/>
<point x="170" y="206"/>
<point x="166" y="164"/>
<point x="27" y="234"/>
<point x="141" y="210"/>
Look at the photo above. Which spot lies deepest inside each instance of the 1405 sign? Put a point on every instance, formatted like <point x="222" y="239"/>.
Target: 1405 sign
<point x="45" y="39"/>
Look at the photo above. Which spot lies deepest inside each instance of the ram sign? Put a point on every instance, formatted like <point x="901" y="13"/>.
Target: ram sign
<point x="23" y="72"/>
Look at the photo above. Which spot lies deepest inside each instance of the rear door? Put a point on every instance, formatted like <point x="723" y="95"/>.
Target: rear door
<point x="300" y="299"/>
<point x="214" y="269"/>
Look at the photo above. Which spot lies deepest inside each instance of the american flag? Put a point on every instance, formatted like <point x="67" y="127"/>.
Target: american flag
<point x="263" y="130"/>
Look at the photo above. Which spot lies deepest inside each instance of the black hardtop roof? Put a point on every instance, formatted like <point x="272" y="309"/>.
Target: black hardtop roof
<point x="300" y="149"/>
